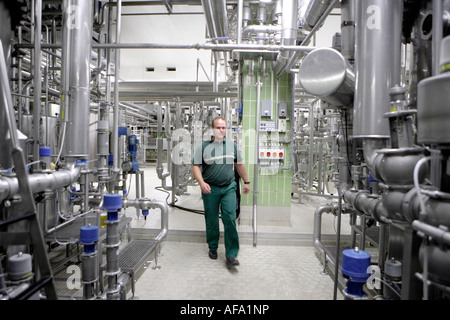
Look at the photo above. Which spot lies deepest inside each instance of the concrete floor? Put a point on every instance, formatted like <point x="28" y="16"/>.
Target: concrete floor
<point x="279" y="263"/>
<point x="281" y="266"/>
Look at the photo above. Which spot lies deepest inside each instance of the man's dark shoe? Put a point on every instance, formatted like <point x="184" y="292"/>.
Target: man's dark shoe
<point x="212" y="254"/>
<point x="232" y="262"/>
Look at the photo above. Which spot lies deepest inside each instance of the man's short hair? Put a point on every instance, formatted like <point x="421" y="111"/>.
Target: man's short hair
<point x="214" y="121"/>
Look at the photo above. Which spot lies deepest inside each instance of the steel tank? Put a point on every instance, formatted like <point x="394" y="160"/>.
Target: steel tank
<point x="377" y="63"/>
<point x="433" y="113"/>
<point x="433" y="98"/>
<point x="326" y="74"/>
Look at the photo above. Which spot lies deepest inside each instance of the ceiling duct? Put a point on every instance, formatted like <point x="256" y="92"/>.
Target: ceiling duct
<point x="216" y="19"/>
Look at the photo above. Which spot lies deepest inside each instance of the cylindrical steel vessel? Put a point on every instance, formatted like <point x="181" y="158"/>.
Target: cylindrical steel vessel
<point x="79" y="21"/>
<point x="326" y="74"/>
<point x="433" y="113"/>
<point x="377" y="64"/>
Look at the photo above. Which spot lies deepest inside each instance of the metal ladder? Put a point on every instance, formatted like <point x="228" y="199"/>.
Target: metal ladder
<point x="33" y="234"/>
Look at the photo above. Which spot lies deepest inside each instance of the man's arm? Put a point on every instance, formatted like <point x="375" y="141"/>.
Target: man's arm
<point x="198" y="176"/>
<point x="240" y="168"/>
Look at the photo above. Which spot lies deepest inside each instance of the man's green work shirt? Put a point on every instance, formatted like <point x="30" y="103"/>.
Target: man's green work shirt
<point x="216" y="161"/>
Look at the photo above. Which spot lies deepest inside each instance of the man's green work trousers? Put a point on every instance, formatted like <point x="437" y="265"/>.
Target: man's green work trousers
<point x="226" y="197"/>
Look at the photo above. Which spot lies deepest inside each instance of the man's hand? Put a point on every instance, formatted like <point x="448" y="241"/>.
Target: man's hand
<point x="246" y="188"/>
<point x="205" y="187"/>
<point x="198" y="176"/>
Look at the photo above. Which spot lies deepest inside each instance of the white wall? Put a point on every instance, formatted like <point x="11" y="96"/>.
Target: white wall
<point x="167" y="29"/>
<point x="178" y="29"/>
<point x="324" y="36"/>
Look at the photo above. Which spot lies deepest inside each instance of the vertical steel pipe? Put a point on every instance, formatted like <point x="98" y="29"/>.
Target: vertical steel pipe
<point x="5" y="36"/>
<point x="37" y="77"/>
<point x="348" y="29"/>
<point x="289" y="27"/>
<point x="437" y="34"/>
<point x="79" y="24"/>
<point x="256" y="165"/>
<point x="115" y="129"/>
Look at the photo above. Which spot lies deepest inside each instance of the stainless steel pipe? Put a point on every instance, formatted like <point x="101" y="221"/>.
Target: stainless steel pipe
<point x="78" y="77"/>
<point x="196" y="46"/>
<point x="289" y="27"/>
<point x="145" y="204"/>
<point x="39" y="182"/>
<point x="37" y="77"/>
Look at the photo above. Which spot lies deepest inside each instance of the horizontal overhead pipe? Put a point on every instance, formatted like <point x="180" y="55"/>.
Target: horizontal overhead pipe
<point x="196" y="46"/>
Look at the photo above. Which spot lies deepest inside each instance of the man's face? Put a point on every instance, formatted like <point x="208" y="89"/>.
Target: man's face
<point x="219" y="129"/>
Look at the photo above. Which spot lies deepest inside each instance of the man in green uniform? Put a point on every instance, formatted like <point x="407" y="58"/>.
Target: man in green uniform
<point x="213" y="164"/>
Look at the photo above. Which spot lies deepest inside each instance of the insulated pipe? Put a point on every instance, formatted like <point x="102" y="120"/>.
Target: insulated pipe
<point x="65" y="72"/>
<point x="377" y="63"/>
<point x="314" y="10"/>
<point x="103" y="136"/>
<point x="37" y="78"/>
<point x="115" y="129"/>
<point x="5" y="38"/>
<point x="326" y="74"/>
<point x="378" y="43"/>
<point x="216" y="18"/>
<point x="348" y="29"/>
<point x="254" y="28"/>
<point x="239" y="21"/>
<point x="216" y="21"/>
<point x="78" y="74"/>
<point x="196" y="46"/>
<point x="288" y="33"/>
<point x="293" y="59"/>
